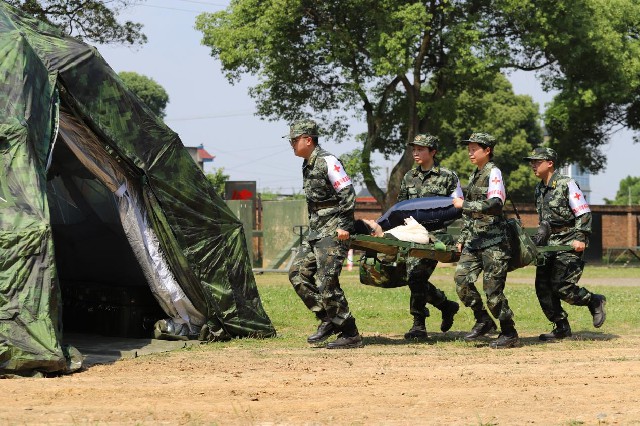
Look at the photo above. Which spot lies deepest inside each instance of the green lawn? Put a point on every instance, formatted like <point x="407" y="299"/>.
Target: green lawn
<point x="383" y="317"/>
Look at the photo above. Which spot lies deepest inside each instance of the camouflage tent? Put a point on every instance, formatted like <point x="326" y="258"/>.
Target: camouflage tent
<point x="100" y="207"/>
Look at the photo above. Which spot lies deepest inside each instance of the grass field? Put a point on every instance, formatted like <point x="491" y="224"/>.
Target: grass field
<point x="385" y="311"/>
<point x="591" y="379"/>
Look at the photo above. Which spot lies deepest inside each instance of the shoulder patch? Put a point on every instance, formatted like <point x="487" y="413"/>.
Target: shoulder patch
<point x="496" y="185"/>
<point x="577" y="202"/>
<point x="337" y="175"/>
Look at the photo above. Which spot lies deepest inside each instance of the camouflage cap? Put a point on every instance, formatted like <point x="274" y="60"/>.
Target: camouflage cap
<point x="425" y="139"/>
<point x="482" y="138"/>
<point x="302" y="127"/>
<point x="542" y="153"/>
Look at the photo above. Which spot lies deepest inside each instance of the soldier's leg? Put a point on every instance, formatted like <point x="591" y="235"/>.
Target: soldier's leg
<point x="548" y="297"/>
<point x="549" y="300"/>
<point x="302" y="277"/>
<point x="438" y="298"/>
<point x="495" y="262"/>
<point x="330" y="254"/>
<point x="567" y="273"/>
<point x="417" y="278"/>
<point x="467" y="271"/>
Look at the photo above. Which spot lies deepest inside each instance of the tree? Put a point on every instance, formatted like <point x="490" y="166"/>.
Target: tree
<point x="588" y="51"/>
<point x="151" y="93"/>
<point x="394" y="63"/>
<point x="91" y="20"/>
<point x="218" y="179"/>
<point x="628" y="193"/>
<point x="352" y="163"/>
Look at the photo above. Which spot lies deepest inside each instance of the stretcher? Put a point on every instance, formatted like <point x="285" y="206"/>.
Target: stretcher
<point x="436" y="251"/>
<point x="397" y="248"/>
<point x="383" y="263"/>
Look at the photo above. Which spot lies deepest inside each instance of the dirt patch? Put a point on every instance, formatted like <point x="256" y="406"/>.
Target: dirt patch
<point x="593" y="379"/>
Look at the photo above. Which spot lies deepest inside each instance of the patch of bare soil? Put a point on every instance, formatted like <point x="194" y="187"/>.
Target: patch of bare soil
<point x="594" y="380"/>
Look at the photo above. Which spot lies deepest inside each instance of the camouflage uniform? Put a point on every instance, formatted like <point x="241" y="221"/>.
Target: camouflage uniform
<point x="485" y="249"/>
<point x="417" y="183"/>
<point x="557" y="277"/>
<point x="317" y="265"/>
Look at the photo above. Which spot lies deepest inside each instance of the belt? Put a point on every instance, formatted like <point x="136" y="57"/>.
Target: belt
<point x="317" y="205"/>
<point x="559" y="229"/>
<point x="478" y="215"/>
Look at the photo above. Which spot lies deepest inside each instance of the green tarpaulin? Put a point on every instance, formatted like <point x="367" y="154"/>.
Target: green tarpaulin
<point x="100" y="203"/>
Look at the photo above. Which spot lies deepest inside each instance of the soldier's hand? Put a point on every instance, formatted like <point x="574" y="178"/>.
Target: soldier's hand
<point x="457" y="202"/>
<point x="459" y="247"/>
<point x="578" y="245"/>
<point x="342" y="234"/>
<point x="376" y="229"/>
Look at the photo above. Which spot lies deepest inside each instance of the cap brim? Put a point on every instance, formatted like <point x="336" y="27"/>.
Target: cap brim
<point x="535" y="157"/>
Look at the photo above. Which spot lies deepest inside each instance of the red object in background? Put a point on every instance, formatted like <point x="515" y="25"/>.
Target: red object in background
<point x="243" y="194"/>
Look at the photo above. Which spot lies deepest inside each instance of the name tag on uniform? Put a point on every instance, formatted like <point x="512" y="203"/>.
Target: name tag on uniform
<point x="577" y="202"/>
<point x="337" y="175"/>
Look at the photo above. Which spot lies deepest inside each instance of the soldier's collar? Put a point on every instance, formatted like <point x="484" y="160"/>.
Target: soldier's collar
<point x="314" y="155"/>
<point x="434" y="169"/>
<point x="553" y="182"/>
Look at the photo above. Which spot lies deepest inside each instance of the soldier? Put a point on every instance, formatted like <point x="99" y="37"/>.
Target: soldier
<point x="427" y="179"/>
<point x="563" y="210"/>
<point x="317" y="265"/>
<point x="484" y="245"/>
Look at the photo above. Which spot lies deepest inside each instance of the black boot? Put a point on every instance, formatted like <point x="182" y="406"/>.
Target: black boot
<point x="484" y="325"/>
<point x="325" y="329"/>
<point x="508" y="337"/>
<point x="448" y="308"/>
<point x="596" y="307"/>
<point x="561" y="331"/>
<point x="349" y="336"/>
<point x="418" y="330"/>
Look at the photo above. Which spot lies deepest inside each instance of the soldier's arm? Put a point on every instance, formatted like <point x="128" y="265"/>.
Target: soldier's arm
<point x="582" y="224"/>
<point x="464" y="231"/>
<point x="583" y="227"/>
<point x="403" y="194"/>
<point x="347" y="205"/>
<point x="492" y="206"/>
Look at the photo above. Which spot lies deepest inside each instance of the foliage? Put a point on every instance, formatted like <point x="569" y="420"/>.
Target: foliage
<point x="218" y="179"/>
<point x="628" y="193"/>
<point x="91" y="20"/>
<point x="394" y="63"/>
<point x="352" y="162"/>
<point x="588" y="51"/>
<point x="495" y="109"/>
<point x="151" y="93"/>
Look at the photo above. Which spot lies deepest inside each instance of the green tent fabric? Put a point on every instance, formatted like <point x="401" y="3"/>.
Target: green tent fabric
<point x="77" y="152"/>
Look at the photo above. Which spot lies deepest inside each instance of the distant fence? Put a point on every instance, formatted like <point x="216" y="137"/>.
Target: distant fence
<point x="615" y="229"/>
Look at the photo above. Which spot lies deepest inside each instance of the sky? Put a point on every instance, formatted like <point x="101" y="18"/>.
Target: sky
<point x="204" y="108"/>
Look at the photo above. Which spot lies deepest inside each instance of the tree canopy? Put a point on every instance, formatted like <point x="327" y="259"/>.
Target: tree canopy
<point x="405" y="67"/>
<point x="218" y="179"/>
<point x="90" y="20"/>
<point x="148" y="90"/>
<point x="628" y="193"/>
